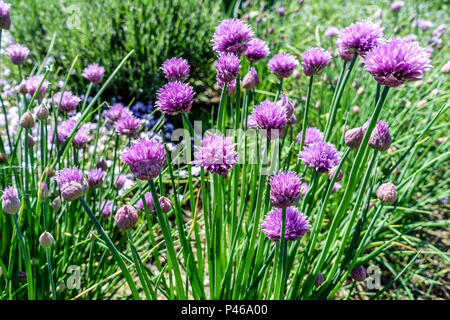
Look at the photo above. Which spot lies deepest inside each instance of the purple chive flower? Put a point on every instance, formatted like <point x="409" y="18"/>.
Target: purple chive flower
<point x="410" y="37"/>
<point x="175" y="97"/>
<point x="106" y="208"/>
<point x="359" y="274"/>
<point x="304" y="189"/>
<point x="18" y="53"/>
<point x="10" y="201"/>
<point x="283" y="64"/>
<point x="320" y="156"/>
<point x="397" y="5"/>
<point x="336" y="187"/>
<point x="287" y="105"/>
<point x="117" y="111"/>
<point x="331" y="32"/>
<point x="126" y="217"/>
<point x="285" y="189"/>
<point x="217" y="154"/>
<point x="95" y="178"/>
<point x="32" y="84"/>
<point x="120" y="181"/>
<point x="257" y="49"/>
<point x="231" y="86"/>
<point x="250" y="80"/>
<point x="227" y="67"/>
<point x="148" y="201"/>
<point x="312" y="135"/>
<point x="94" y="73"/>
<point x="440" y="30"/>
<point x="145" y="158"/>
<point x="270" y="116"/>
<point x="423" y="25"/>
<point x="314" y="61"/>
<point x="360" y="38"/>
<point x="281" y="11"/>
<point x="387" y="192"/>
<point x="46" y="240"/>
<point x="5" y="18"/>
<point x="251" y="123"/>
<point x="232" y="35"/>
<point x="80" y="138"/>
<point x="128" y="126"/>
<point x="397" y="62"/>
<point x="176" y="69"/>
<point x="68" y="101"/>
<point x="72" y="184"/>
<point x="296" y="224"/>
<point x="380" y="139"/>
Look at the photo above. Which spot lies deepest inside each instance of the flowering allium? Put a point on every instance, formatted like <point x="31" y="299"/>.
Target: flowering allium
<point x="331" y="32"/>
<point x="46" y="240"/>
<point x="71" y="183"/>
<point x="81" y="137"/>
<point x="287" y="105"/>
<point x="387" y="192"/>
<point x="128" y="126"/>
<point x="410" y="37"/>
<point x="423" y="25"/>
<point x="17" y="53"/>
<point x="126" y="217"/>
<point x="251" y="123"/>
<point x="42" y="113"/>
<point x="94" y="73"/>
<point x="148" y="201"/>
<point x="257" y="49"/>
<point x="176" y="69"/>
<point x="314" y="61"/>
<point x="312" y="135"/>
<point x="296" y="224"/>
<point x="117" y="111"/>
<point x="440" y="30"/>
<point x="44" y="191"/>
<point x="360" y="38"/>
<point x="56" y="204"/>
<point x="10" y="201"/>
<point x="320" y="156"/>
<point x="120" y="181"/>
<point x="175" y="97"/>
<point x="397" y="62"/>
<point x="281" y="11"/>
<point x="27" y="120"/>
<point x="68" y="101"/>
<point x="292" y="119"/>
<point x="232" y="35"/>
<point x="285" y="189"/>
<point x="397" y="5"/>
<point x="32" y="84"/>
<point x="380" y="139"/>
<point x="227" y="67"/>
<point x="145" y="158"/>
<point x="165" y="204"/>
<point x="270" y="116"/>
<point x="217" y="154"/>
<point x="231" y="86"/>
<point x="283" y="64"/>
<point x="95" y="178"/>
<point x="250" y="80"/>
<point x="106" y="207"/>
<point x="359" y="274"/>
<point x="5" y="18"/>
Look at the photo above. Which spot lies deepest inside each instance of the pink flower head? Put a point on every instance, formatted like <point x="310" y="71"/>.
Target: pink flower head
<point x="285" y="189"/>
<point x="296" y="224"/>
<point x="32" y="85"/>
<point x="128" y="125"/>
<point x="283" y="64"/>
<point x="68" y="101"/>
<point x="175" y="97"/>
<point x="257" y="49"/>
<point x="232" y="35"/>
<point x="72" y="184"/>
<point x="176" y="69"/>
<point x="94" y="73"/>
<point x="17" y="53"/>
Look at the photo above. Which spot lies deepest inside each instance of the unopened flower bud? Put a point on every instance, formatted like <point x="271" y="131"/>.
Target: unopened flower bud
<point x="42" y="112"/>
<point x="380" y="139"/>
<point x="30" y="141"/>
<point x="44" y="191"/>
<point x="46" y="240"/>
<point x="3" y="158"/>
<point x="356" y="109"/>
<point x="332" y="172"/>
<point x="360" y="90"/>
<point x="27" y="120"/>
<point x="387" y="192"/>
<point x="126" y="217"/>
<point x="61" y="287"/>
<point x="101" y="164"/>
<point x="359" y="274"/>
<point x="165" y="204"/>
<point x="446" y="68"/>
<point x="354" y="137"/>
<point x="49" y="172"/>
<point x="319" y="280"/>
<point x="56" y="204"/>
<point x="296" y="74"/>
<point x="10" y="201"/>
<point x="250" y="80"/>
<point x="438" y="141"/>
<point x="22" y="87"/>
